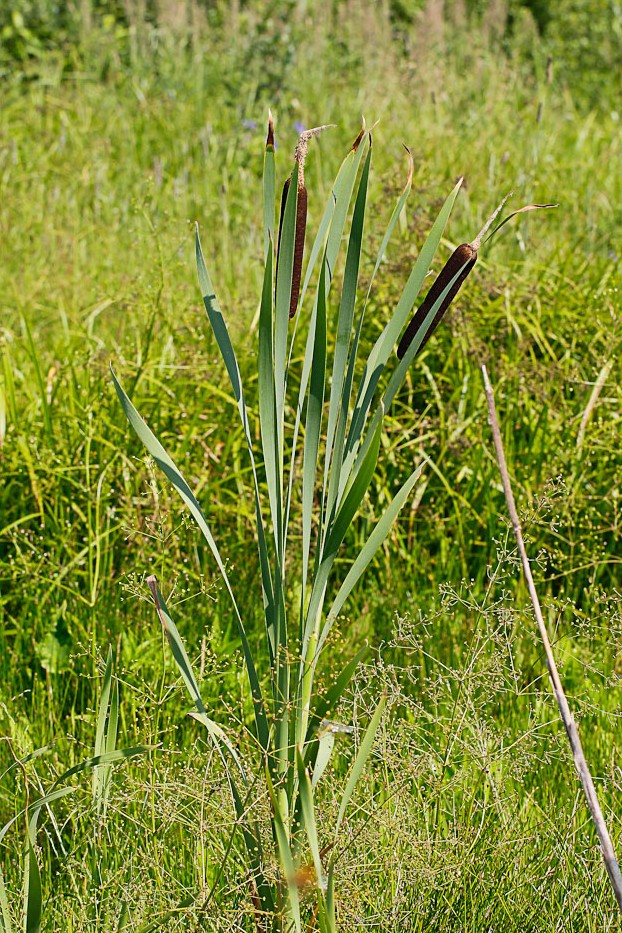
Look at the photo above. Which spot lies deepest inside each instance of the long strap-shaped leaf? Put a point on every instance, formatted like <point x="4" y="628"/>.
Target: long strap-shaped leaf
<point x="285" y="854"/>
<point x="397" y="377"/>
<point x="313" y="425"/>
<point x="342" y="343"/>
<point x="161" y="457"/>
<point x="339" y="443"/>
<point x="225" y="346"/>
<point x="388" y="338"/>
<point x="355" y="773"/>
<point x="284" y="272"/>
<point x="347" y="388"/>
<point x="308" y="812"/>
<point x="375" y="540"/>
<point x="275" y="616"/>
<point x="334" y="538"/>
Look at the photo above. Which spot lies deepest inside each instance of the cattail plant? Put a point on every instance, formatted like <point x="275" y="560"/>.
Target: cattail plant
<point x="336" y="456"/>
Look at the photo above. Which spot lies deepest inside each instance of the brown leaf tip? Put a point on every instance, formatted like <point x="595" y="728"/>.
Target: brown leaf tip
<point x="270" y="137"/>
<point x="411" y="167"/>
<point x="357" y="141"/>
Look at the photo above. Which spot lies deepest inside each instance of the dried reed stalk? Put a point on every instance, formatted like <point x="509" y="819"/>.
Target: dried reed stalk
<point x="609" y="858"/>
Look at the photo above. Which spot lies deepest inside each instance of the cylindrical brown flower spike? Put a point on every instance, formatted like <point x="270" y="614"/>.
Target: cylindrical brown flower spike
<point x="459" y="264"/>
<point x="301" y="214"/>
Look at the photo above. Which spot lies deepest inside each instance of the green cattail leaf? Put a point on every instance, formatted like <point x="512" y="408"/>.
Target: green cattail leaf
<point x="353" y="498"/>
<point x="176" y="644"/>
<point x="32" y="881"/>
<point x="284" y="272"/>
<point x="184" y="666"/>
<point x="385" y="343"/>
<point x="359" y="763"/>
<point x="222" y="742"/>
<point x="334" y="217"/>
<point x="225" y="346"/>
<point x="314" y="422"/>
<point x="161" y="457"/>
<point x="267" y="403"/>
<point x="375" y="540"/>
<point x="347" y="388"/>
<point x="338" y="406"/>
<point x="285" y="854"/>
<point x="399" y="373"/>
<point x="326" y="743"/>
<point x="308" y="812"/>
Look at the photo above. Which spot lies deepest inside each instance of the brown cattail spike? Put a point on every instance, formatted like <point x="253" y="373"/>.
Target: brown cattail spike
<point x="459" y="264"/>
<point x="299" y="248"/>
<point x="457" y="268"/>
<point x="301" y="214"/>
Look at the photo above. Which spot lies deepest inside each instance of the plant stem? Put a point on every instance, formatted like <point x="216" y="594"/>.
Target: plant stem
<point x="609" y="858"/>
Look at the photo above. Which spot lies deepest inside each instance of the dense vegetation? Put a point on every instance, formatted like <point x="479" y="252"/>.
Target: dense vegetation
<point x="120" y="127"/>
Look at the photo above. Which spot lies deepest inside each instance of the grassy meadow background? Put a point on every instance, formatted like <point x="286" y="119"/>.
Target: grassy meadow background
<point x="123" y="124"/>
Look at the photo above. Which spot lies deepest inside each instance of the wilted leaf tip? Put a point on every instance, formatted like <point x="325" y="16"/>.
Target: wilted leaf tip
<point x="411" y="167"/>
<point x="357" y="141"/>
<point x="270" y="137"/>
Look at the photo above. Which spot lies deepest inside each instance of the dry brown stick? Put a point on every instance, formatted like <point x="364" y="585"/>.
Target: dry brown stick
<point x="609" y="858"/>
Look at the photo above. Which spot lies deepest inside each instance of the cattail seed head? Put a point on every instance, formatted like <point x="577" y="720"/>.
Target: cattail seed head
<point x="461" y="261"/>
<point x="300" y="155"/>
<point x="457" y="268"/>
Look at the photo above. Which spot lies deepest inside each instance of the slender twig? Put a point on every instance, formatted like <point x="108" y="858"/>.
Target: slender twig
<point x="593" y="399"/>
<point x="609" y="858"/>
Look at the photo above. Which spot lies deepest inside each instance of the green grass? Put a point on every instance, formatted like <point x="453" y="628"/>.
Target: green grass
<point x="469" y="817"/>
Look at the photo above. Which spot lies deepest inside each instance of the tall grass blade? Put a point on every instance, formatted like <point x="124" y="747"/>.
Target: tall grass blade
<point x="353" y="497"/>
<point x="398" y="375"/>
<point x="331" y="228"/>
<point x="105" y="734"/>
<point x="32" y="881"/>
<point x="284" y="272"/>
